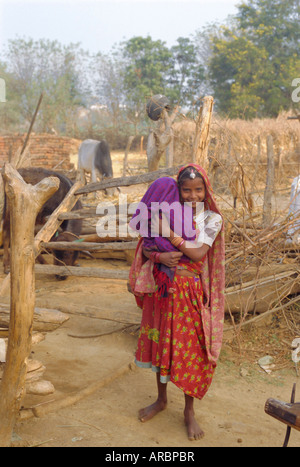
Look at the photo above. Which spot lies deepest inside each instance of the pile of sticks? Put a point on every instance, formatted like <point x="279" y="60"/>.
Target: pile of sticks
<point x="249" y="238"/>
<point x="262" y="266"/>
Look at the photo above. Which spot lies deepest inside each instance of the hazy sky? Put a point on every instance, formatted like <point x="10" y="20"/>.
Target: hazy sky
<point x="99" y="24"/>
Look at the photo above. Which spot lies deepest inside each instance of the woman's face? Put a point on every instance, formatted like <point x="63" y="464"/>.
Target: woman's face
<point x="192" y="191"/>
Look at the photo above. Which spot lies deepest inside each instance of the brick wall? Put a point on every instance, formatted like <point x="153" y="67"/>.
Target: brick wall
<point x="45" y="150"/>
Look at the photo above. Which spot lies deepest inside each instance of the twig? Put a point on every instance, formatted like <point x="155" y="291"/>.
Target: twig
<point x="31" y="124"/>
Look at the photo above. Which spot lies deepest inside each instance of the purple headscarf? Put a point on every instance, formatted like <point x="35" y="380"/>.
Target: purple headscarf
<point x="163" y="196"/>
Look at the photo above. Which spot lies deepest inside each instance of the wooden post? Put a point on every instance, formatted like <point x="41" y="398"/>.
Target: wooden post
<point x="25" y="203"/>
<point x="125" y="161"/>
<point x="269" y="190"/>
<point x="159" y="139"/>
<point x="142" y="146"/>
<point x="257" y="162"/>
<point x="170" y="152"/>
<point x="201" y="141"/>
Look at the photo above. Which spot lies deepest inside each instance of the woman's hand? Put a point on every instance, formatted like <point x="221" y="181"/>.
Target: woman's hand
<point x="170" y="259"/>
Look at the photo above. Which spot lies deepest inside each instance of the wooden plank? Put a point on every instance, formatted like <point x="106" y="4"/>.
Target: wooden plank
<point x="260" y="294"/>
<point x="81" y="272"/>
<point x="128" y="181"/>
<point x="79" y="246"/>
<point x="86" y="213"/>
<point x="94" y="238"/>
<point x="44" y="320"/>
<point x="129" y="313"/>
<point x="284" y="412"/>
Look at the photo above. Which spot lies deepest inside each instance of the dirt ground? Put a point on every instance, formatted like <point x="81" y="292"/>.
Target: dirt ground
<point x="99" y="390"/>
<point x="108" y="389"/>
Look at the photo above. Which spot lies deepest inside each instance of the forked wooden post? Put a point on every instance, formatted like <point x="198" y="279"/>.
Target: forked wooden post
<point x="25" y="203"/>
<point x="159" y="139"/>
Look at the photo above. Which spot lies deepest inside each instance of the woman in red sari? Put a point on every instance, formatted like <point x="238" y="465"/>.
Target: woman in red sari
<point x="182" y="323"/>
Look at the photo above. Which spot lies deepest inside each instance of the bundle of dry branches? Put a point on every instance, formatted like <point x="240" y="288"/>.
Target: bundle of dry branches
<point x="262" y="267"/>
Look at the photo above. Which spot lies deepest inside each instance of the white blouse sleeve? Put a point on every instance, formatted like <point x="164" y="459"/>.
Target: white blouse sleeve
<point x="209" y="224"/>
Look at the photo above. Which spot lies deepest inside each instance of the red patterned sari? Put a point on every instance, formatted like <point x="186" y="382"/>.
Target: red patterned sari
<point x="172" y="339"/>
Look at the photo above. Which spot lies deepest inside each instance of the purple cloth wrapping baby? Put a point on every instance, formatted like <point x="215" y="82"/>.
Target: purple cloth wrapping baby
<point x="163" y="197"/>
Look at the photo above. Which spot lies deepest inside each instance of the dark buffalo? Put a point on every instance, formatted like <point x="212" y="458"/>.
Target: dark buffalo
<point x="69" y="229"/>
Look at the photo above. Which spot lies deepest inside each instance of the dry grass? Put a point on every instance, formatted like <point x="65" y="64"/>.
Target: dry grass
<point x="245" y="142"/>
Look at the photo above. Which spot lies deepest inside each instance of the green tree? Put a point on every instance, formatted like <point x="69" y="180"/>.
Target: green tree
<point x="108" y="84"/>
<point x="203" y="42"/>
<point x="147" y="63"/>
<point x="9" y="115"/>
<point x="45" y="66"/>
<point x="256" y="59"/>
<point x="187" y="74"/>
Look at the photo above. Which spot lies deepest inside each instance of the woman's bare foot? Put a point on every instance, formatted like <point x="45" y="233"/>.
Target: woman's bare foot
<point x="193" y="429"/>
<point x="149" y="412"/>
